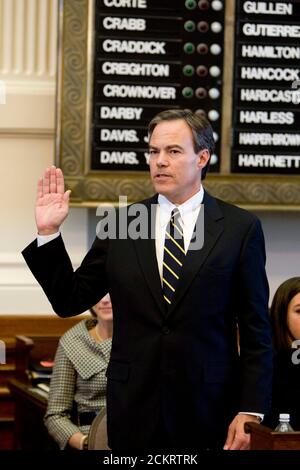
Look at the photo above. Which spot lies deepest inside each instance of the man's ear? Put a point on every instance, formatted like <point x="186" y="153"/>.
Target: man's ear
<point x="204" y="157"/>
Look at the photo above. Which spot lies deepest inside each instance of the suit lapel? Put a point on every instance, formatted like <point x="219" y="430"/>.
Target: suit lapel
<point x="146" y="253"/>
<point x="213" y="227"/>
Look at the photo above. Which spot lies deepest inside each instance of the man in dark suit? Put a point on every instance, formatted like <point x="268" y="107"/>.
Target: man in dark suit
<point x="176" y="378"/>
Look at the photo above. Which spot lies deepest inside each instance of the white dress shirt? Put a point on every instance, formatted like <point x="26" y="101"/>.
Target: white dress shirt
<point x="189" y="212"/>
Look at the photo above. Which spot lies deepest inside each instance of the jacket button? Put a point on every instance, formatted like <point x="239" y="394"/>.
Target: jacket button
<point x="166" y="330"/>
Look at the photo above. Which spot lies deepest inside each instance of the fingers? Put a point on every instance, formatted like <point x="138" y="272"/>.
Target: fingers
<point x="53" y="185"/>
<point x="60" y="182"/>
<point x="230" y="438"/>
<point x="40" y="192"/>
<point x="237" y="439"/>
<point x="46" y="182"/>
<point x="241" y="441"/>
<point x="52" y="181"/>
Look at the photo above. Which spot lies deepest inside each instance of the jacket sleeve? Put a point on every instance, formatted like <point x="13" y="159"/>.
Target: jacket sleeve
<point x="69" y="292"/>
<point x="254" y="324"/>
<point x="61" y="399"/>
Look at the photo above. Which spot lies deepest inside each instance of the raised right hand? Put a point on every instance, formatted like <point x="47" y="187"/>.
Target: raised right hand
<point x="52" y="202"/>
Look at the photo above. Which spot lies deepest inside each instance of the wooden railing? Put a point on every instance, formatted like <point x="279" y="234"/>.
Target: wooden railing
<point x="264" y="438"/>
<point x="17" y="354"/>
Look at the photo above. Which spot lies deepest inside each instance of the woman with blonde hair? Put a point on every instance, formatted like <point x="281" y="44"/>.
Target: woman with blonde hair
<point x="78" y="384"/>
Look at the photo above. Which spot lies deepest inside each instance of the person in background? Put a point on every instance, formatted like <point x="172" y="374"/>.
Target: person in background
<point x="285" y="321"/>
<point x="78" y="383"/>
<point x="175" y="379"/>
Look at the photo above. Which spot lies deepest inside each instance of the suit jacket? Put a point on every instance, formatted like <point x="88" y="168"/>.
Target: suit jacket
<point x="179" y="366"/>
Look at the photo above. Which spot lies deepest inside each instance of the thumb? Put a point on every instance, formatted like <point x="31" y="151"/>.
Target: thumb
<point x="66" y="196"/>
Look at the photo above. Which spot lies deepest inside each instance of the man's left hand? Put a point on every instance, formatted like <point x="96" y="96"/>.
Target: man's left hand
<point x="237" y="439"/>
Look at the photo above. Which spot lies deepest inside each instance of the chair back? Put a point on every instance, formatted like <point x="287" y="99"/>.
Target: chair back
<point x="97" y="439"/>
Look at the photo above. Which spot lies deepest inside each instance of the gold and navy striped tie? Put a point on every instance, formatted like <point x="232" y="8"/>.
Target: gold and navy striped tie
<point x="174" y="255"/>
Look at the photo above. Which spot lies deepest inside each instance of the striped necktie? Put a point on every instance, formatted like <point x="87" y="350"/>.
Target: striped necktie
<point x="174" y="255"/>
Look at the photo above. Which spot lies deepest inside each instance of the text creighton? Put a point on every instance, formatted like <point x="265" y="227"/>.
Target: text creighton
<point x="136" y="69"/>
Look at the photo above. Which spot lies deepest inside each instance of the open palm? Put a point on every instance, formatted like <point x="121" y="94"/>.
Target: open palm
<point x="52" y="202"/>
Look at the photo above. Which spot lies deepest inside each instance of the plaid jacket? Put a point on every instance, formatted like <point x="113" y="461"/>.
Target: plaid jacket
<point x="78" y="379"/>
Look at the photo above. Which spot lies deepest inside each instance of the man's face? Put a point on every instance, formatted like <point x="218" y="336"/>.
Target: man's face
<point x="175" y="168"/>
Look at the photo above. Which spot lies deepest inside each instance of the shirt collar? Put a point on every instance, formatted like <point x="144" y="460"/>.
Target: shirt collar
<point x="186" y="209"/>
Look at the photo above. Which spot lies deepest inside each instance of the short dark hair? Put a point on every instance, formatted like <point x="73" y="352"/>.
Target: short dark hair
<point x="278" y="313"/>
<point x="201" y="129"/>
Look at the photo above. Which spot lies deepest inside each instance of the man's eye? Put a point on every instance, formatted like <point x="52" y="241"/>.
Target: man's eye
<point x="174" y="151"/>
<point x="152" y="152"/>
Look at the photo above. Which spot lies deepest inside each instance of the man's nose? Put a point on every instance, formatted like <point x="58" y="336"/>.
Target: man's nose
<point x="162" y="159"/>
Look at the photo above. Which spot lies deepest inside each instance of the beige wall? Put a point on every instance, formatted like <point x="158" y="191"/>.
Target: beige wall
<point x="28" y="35"/>
<point x="282" y="234"/>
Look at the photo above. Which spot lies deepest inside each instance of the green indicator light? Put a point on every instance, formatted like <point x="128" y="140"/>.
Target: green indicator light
<point x="187" y="92"/>
<point x="189" y="26"/>
<point x="190" y="4"/>
<point x="189" y="48"/>
<point x="188" y="70"/>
